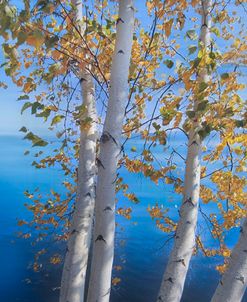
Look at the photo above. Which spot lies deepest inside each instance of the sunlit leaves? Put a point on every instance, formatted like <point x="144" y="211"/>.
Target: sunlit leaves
<point x="36" y="38"/>
<point x="57" y="119"/>
<point x="116" y="281"/>
<point x="55" y="259"/>
<point x="36" y="140"/>
<point x="167" y="114"/>
<point x="167" y="27"/>
<point x="216" y="31"/>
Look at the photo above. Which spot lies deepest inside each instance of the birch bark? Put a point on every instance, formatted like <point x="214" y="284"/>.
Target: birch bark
<point x="110" y="150"/>
<point x="234" y="281"/>
<point x="76" y="259"/>
<point x="178" y="263"/>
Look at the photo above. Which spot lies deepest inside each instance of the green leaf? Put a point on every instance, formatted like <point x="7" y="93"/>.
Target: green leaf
<point x="240" y="123"/>
<point x="45" y="114"/>
<point x="36" y="140"/>
<point x="56" y="119"/>
<point x="212" y="55"/>
<point x="5" y="22"/>
<point x="169" y="63"/>
<point x="191" y="34"/>
<point x="50" y="42"/>
<point x="23" y="97"/>
<point x="191" y="113"/>
<point x="192" y="49"/>
<point x="216" y="31"/>
<point x="36" y="106"/>
<point x="156" y="126"/>
<point x="40" y="143"/>
<point x="7" y="49"/>
<point x="225" y="76"/>
<point x="23" y="129"/>
<point x="202" y="133"/>
<point x="202" y="86"/>
<point x="25" y="106"/>
<point x="167" y="114"/>
<point x="21" y="37"/>
<point x="23" y="15"/>
<point x="202" y="106"/>
<point x="229" y="111"/>
<point x="196" y="62"/>
<point x="200" y="54"/>
<point x="205" y="131"/>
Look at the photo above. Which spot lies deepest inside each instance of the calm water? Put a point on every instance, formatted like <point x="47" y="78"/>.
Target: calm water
<point x="140" y="246"/>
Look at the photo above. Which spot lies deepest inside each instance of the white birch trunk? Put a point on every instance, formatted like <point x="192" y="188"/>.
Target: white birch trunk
<point x="178" y="263"/>
<point x="76" y="259"/>
<point x="234" y="281"/>
<point x="110" y="149"/>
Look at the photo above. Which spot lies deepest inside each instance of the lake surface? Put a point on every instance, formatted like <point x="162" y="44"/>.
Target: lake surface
<point x="140" y="246"/>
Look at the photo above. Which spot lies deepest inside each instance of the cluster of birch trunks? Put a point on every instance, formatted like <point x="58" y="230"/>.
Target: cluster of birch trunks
<point x="93" y="221"/>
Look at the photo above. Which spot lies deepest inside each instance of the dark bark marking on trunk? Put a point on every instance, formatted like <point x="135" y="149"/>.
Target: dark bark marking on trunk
<point x="115" y="180"/>
<point x="181" y="261"/>
<point x="99" y="163"/>
<point x="107" y="209"/>
<point x="100" y="238"/>
<point x="82" y="79"/>
<point x="119" y="20"/>
<point x="194" y="143"/>
<point x="106" y="136"/>
<point x="74" y="231"/>
<point x="189" y="201"/>
<point x="241" y="279"/>
<point x="169" y="279"/>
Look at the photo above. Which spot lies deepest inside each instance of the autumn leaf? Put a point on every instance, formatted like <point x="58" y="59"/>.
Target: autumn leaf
<point x="116" y="281"/>
<point x="36" y="38"/>
<point x="167" y="27"/>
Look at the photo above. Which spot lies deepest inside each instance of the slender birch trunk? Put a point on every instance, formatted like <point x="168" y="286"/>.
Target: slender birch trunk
<point x="234" y="281"/>
<point x="75" y="266"/>
<point x="178" y="263"/>
<point x="110" y="150"/>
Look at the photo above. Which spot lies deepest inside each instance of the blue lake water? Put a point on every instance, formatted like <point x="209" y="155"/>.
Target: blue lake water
<point x="142" y="256"/>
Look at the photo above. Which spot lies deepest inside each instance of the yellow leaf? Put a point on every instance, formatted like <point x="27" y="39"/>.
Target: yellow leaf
<point x="167" y="27"/>
<point x="35" y="39"/>
<point x="115" y="281"/>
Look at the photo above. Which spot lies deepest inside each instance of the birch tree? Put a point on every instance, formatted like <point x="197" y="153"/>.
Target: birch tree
<point x="75" y="266"/>
<point x="110" y="150"/>
<point x="173" y="280"/>
<point x="233" y="284"/>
